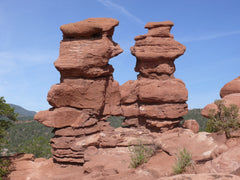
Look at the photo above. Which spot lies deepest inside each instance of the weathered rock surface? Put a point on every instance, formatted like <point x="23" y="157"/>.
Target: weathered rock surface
<point x="88" y="27"/>
<point x="87" y="93"/>
<point x="109" y="163"/>
<point x="79" y="93"/>
<point x="156" y="93"/>
<point x="192" y="125"/>
<point x="62" y="117"/>
<point x="231" y="87"/>
<point x="157" y="44"/>
<point x="164" y="111"/>
<point x="167" y="91"/>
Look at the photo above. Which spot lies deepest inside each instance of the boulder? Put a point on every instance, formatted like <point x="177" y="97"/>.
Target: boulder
<point x="191" y="124"/>
<point x="79" y="93"/>
<point x="231" y="87"/>
<point x="129" y="92"/>
<point x="164" y="111"/>
<point x="62" y="117"/>
<point x="168" y="91"/>
<point x="88" y="27"/>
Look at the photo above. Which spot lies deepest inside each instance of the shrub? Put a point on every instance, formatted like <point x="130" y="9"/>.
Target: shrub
<point x="226" y="119"/>
<point x="140" y="154"/>
<point x="4" y="167"/>
<point x="184" y="159"/>
<point x="116" y="121"/>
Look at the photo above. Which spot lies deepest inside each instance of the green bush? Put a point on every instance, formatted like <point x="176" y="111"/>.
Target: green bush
<point x="116" y="121"/>
<point x="226" y="119"/>
<point x="4" y="168"/>
<point x="140" y="154"/>
<point x="184" y="159"/>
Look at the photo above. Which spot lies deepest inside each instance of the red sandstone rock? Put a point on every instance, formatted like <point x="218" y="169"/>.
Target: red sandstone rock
<point x="156" y="49"/>
<point x="207" y="176"/>
<point x="164" y="111"/>
<point x="200" y="145"/>
<point x="112" y="99"/>
<point x="227" y="162"/>
<point x="131" y="122"/>
<point x="88" y="94"/>
<point x="79" y="93"/>
<point x="151" y="25"/>
<point x="88" y="27"/>
<point x="162" y="126"/>
<point x="147" y="68"/>
<point x="169" y="91"/>
<point x="232" y="99"/>
<point x="62" y="117"/>
<point x="93" y="128"/>
<point x="86" y="58"/>
<point x="192" y="125"/>
<point x="231" y="87"/>
<point x="206" y="110"/>
<point x="131" y="110"/>
<point x="62" y="153"/>
<point x="129" y="92"/>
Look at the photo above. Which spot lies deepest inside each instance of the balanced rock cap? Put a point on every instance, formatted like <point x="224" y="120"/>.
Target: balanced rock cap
<point x="88" y="27"/>
<point x="151" y="25"/>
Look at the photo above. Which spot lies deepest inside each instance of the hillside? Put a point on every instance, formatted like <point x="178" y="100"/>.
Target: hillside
<point x="23" y="114"/>
<point x="28" y="135"/>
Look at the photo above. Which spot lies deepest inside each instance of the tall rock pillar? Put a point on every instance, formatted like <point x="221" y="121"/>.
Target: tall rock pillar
<point x="83" y="97"/>
<point x="156" y="99"/>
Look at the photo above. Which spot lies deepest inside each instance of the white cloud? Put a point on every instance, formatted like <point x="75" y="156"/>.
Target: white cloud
<point x="115" y="6"/>
<point x="208" y="37"/>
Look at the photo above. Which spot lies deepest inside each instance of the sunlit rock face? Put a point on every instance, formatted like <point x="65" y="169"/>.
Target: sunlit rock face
<point x="159" y="97"/>
<point x="87" y="93"/>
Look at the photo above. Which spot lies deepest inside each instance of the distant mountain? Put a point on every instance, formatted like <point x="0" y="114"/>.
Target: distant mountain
<point x="22" y="112"/>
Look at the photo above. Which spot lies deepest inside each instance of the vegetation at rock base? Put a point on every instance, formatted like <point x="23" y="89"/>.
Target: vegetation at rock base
<point x="226" y="119"/>
<point x="140" y="154"/>
<point x="29" y="137"/>
<point x="4" y="168"/>
<point x="184" y="160"/>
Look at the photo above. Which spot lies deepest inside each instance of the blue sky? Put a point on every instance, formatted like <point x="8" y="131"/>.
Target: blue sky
<point x="30" y="37"/>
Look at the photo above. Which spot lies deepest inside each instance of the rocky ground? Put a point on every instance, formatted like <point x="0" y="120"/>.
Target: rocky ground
<point x="214" y="157"/>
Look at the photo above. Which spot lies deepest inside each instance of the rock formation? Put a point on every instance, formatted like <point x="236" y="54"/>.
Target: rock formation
<point x="86" y="90"/>
<point x="230" y="94"/>
<point x="156" y="99"/>
<point x="87" y="93"/>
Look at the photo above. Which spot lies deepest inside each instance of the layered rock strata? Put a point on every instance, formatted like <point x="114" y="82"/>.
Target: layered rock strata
<point x="156" y="99"/>
<point x="230" y="94"/>
<point x="86" y="91"/>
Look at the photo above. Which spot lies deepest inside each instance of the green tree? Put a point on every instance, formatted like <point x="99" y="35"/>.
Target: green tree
<point x="39" y="146"/>
<point x="226" y="119"/>
<point x="7" y="116"/>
